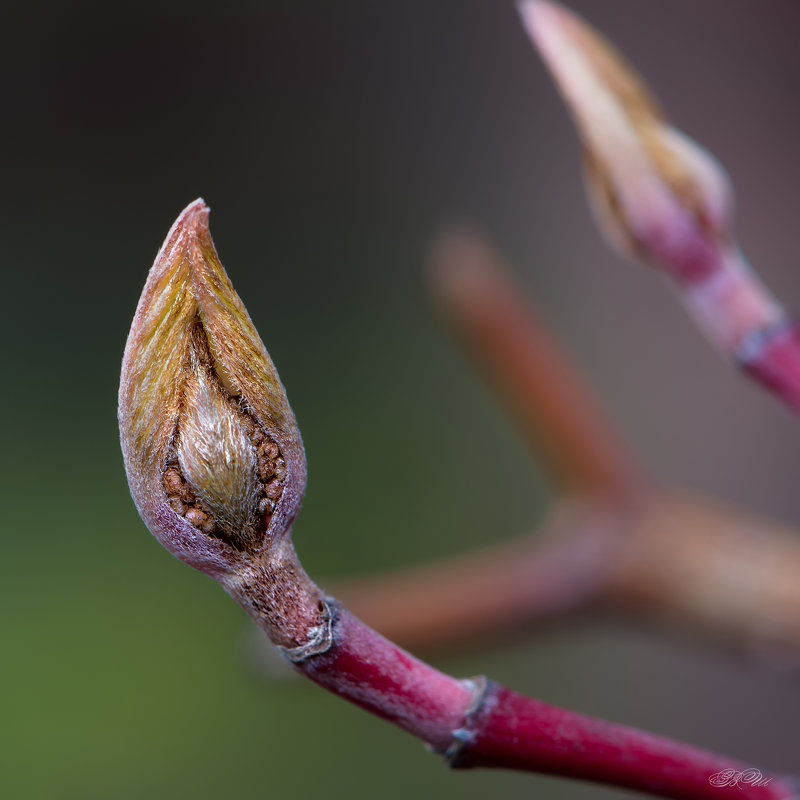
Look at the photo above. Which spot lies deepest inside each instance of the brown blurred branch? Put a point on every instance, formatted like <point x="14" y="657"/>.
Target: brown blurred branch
<point x="546" y="396"/>
<point x="537" y="578"/>
<point x="612" y="539"/>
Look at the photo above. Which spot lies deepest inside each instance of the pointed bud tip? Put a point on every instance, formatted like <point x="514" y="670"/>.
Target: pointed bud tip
<point x="196" y="209"/>
<point x="538" y="14"/>
<point x="192" y="221"/>
<point x="549" y="25"/>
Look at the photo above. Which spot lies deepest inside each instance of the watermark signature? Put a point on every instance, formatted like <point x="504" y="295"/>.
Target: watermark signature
<point x="732" y="777"/>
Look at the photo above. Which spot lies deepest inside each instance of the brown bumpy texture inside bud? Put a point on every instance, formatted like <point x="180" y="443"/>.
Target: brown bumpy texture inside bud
<point x="223" y="473"/>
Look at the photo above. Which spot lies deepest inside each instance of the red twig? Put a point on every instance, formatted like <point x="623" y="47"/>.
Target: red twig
<point x="772" y="357"/>
<point x="516" y="732"/>
<point x="372" y="672"/>
<point x="477" y="723"/>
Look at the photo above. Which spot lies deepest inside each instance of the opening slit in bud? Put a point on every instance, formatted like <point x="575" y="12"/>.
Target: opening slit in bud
<point x="223" y="473"/>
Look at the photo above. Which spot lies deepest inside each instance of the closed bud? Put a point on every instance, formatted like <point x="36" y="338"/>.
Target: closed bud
<point x="657" y="195"/>
<point x="212" y="451"/>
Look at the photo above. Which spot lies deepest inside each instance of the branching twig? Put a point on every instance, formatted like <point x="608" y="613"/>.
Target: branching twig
<point x="685" y="561"/>
<point x="662" y="200"/>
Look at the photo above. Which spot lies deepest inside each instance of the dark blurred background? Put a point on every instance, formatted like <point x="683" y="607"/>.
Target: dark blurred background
<point x="331" y="141"/>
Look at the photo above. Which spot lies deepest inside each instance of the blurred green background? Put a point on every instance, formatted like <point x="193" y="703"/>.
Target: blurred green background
<point x="331" y="141"/>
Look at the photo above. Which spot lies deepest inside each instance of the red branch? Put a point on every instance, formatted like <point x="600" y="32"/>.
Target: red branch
<point x="773" y="359"/>
<point x="476" y="723"/>
<point x="515" y="732"/>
